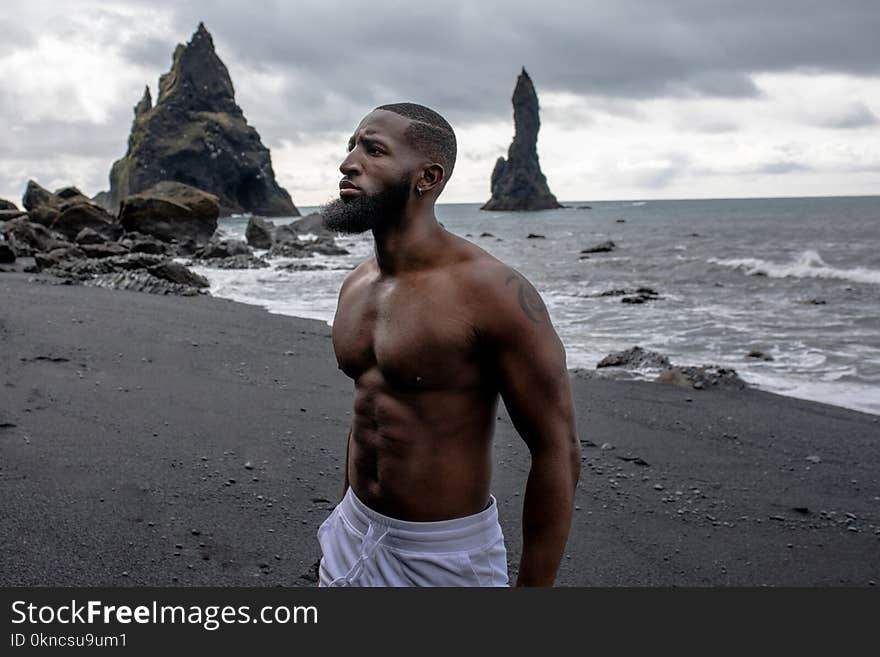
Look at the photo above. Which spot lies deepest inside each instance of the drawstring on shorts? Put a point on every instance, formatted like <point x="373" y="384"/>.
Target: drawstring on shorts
<point x="368" y="548"/>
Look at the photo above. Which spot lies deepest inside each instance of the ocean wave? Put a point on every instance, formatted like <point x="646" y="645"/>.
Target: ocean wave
<point x="808" y="264"/>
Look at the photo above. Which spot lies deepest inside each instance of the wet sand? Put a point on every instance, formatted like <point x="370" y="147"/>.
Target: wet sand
<point x="149" y="440"/>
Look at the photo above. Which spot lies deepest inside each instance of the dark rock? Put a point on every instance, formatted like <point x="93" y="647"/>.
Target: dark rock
<point x="325" y="246"/>
<point x="583" y="207"/>
<point x="35" y="196"/>
<point x="602" y="247"/>
<point x="311" y="224"/>
<point x="300" y="266"/>
<point x="6" y="215"/>
<point x="289" y="249"/>
<point x="27" y="238"/>
<point x="755" y="353"/>
<point x="260" y="233"/>
<point x="85" y="215"/>
<point x="44" y="215"/>
<point x="484" y="234"/>
<point x="240" y="261"/>
<point x="55" y="257"/>
<point x="634" y="357"/>
<point x="517" y="183"/>
<point x="8" y="205"/>
<point x="6" y="253"/>
<point x="286" y="233"/>
<point x="196" y="134"/>
<point x="104" y="250"/>
<point x="177" y="273"/>
<point x="620" y="221"/>
<point x="535" y="236"/>
<point x="222" y="249"/>
<point x="88" y="236"/>
<point x="703" y="376"/>
<point x="139" y="243"/>
<point x="71" y="192"/>
<point x="171" y="211"/>
<point x="141" y="281"/>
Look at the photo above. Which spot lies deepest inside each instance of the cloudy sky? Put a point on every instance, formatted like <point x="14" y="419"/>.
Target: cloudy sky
<point x="674" y="99"/>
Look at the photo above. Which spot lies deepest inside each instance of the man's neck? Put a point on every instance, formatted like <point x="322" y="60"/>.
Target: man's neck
<point x="413" y="243"/>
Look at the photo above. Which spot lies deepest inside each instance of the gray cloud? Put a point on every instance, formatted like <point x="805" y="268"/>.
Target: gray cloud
<point x="782" y="167"/>
<point x="857" y="115"/>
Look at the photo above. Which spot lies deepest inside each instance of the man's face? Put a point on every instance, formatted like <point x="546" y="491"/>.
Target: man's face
<point x="378" y="175"/>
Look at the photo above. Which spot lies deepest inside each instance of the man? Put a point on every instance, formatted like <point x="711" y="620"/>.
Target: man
<point x="433" y="330"/>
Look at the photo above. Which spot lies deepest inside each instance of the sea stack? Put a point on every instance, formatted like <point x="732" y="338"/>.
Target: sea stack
<point x="196" y="134"/>
<point x="517" y="183"/>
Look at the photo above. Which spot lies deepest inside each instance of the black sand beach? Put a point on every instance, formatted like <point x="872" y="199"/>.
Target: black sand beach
<point x="150" y="440"/>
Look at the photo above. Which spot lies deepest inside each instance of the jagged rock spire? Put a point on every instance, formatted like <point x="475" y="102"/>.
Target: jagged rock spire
<point x="198" y="79"/>
<point x="196" y="134"/>
<point x="518" y="183"/>
<point x="145" y="104"/>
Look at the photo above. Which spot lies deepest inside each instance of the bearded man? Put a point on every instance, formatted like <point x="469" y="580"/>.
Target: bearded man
<point x="433" y="330"/>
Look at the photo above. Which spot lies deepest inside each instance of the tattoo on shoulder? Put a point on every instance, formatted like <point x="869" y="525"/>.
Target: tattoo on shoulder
<point x="528" y="297"/>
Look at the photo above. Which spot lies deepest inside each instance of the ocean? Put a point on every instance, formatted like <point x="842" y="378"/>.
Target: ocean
<point x="798" y="279"/>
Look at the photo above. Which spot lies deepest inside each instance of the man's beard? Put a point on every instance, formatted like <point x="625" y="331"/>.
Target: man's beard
<point x="366" y="211"/>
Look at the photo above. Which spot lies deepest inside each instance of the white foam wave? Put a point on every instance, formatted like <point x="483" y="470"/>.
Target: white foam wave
<point x="808" y="264"/>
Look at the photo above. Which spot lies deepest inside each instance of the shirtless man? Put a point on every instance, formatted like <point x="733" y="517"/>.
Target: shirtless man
<point x="432" y="329"/>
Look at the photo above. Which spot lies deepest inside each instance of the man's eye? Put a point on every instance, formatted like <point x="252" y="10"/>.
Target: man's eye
<point x="372" y="150"/>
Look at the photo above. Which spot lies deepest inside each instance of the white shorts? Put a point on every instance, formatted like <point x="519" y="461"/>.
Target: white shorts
<point x="361" y="547"/>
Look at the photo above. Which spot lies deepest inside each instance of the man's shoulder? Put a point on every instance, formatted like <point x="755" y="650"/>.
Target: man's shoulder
<point x="362" y="270"/>
<point x="502" y="296"/>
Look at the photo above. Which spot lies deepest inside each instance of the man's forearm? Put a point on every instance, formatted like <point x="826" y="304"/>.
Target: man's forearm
<point x="345" y="464"/>
<point x="547" y="509"/>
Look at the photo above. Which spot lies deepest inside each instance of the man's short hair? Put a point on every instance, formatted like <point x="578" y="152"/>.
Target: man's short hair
<point x="429" y="133"/>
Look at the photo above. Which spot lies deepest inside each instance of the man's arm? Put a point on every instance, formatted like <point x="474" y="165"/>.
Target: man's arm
<point x="529" y="359"/>
<point x="345" y="465"/>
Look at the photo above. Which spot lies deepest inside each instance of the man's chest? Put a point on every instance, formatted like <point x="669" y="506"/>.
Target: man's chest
<point x="416" y="334"/>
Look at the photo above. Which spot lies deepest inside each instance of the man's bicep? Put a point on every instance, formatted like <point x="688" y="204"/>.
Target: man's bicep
<point x="530" y="364"/>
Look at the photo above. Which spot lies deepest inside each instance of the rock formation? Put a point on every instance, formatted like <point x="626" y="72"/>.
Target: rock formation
<point x="171" y="211"/>
<point x="517" y="183"/>
<point x="196" y="134"/>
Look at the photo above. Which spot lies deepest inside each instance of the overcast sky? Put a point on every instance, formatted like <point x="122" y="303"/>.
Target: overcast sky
<point x="687" y="99"/>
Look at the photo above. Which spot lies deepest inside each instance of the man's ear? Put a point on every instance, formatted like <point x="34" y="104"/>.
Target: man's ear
<point x="432" y="177"/>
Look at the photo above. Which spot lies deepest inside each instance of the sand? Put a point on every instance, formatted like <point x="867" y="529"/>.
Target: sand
<point x="151" y="440"/>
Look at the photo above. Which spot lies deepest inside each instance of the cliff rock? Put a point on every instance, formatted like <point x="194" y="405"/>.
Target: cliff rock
<point x="517" y="182"/>
<point x="196" y="134"/>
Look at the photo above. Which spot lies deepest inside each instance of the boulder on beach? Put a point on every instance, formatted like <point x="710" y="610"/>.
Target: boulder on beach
<point x="311" y="224"/>
<point x="222" y="249"/>
<point x="260" y="233"/>
<point x="140" y="243"/>
<point x="74" y="218"/>
<point x="702" y="377"/>
<point x="517" y="183"/>
<point x="634" y="357"/>
<point x="27" y="237"/>
<point x="198" y="135"/>
<point x="172" y="211"/>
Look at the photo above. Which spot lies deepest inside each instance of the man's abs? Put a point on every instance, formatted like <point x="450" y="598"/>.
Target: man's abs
<point x="421" y="455"/>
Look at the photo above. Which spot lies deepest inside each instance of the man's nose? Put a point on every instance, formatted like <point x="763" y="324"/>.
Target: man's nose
<point x="350" y="166"/>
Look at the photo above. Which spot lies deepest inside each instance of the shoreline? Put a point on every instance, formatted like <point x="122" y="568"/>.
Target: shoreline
<point x="151" y="440"/>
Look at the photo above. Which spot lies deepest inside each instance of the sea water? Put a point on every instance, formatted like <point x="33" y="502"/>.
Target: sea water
<point x="798" y="279"/>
